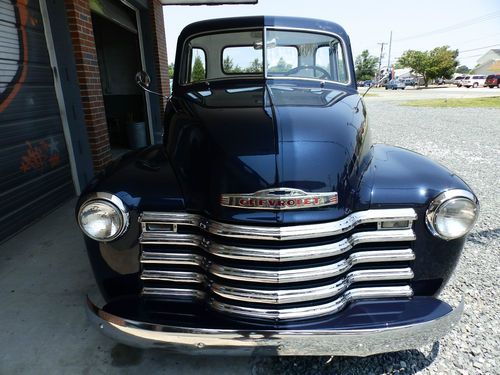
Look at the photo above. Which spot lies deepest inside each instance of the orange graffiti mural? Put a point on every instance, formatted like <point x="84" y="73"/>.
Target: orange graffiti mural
<point x="14" y="86"/>
<point x="40" y="157"/>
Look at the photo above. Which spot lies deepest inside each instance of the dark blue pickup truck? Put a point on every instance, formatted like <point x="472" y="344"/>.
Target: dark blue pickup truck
<point x="267" y="221"/>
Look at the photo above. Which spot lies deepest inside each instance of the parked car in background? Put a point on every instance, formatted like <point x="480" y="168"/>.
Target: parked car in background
<point x="368" y="83"/>
<point x="473" y="81"/>
<point x="410" y="81"/>
<point x="395" y="84"/>
<point x="267" y="221"/>
<point x="493" y="80"/>
<point x="458" y="81"/>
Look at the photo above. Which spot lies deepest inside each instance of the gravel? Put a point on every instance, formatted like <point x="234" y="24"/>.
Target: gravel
<point x="466" y="141"/>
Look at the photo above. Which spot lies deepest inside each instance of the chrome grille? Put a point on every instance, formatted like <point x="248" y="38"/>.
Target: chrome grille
<point x="289" y="272"/>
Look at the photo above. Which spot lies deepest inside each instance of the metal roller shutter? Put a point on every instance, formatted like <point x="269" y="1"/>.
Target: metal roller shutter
<point x="35" y="174"/>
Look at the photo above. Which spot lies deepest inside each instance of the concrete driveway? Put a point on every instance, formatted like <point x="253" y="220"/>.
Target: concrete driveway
<point x="44" y="277"/>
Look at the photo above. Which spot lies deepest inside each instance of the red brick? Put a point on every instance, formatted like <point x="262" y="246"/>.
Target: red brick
<point x="82" y="37"/>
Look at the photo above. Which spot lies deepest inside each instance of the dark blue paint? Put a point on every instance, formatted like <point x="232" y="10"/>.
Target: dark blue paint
<point x="367" y="314"/>
<point x="239" y="137"/>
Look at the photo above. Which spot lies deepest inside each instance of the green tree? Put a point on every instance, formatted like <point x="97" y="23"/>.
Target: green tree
<point x="281" y="66"/>
<point x="366" y="66"/>
<point x="443" y="62"/>
<point x="255" y="67"/>
<point x="462" y="69"/>
<point x="437" y="63"/>
<point x="198" y="71"/>
<point x="171" y="70"/>
<point x="229" y="67"/>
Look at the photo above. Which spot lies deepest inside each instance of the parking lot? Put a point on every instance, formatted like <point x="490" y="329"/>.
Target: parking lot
<point x="44" y="272"/>
<point x="433" y="92"/>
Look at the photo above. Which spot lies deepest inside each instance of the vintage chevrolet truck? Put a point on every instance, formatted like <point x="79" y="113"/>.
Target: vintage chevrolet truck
<point x="267" y="221"/>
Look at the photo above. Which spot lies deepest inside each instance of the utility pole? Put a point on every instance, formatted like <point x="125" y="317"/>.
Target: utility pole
<point x="380" y="61"/>
<point x="389" y="57"/>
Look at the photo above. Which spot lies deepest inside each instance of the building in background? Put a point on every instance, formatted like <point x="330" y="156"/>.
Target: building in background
<point x="489" y="63"/>
<point x="68" y="100"/>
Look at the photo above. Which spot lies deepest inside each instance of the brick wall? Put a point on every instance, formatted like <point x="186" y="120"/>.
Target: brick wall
<point x="159" y="50"/>
<point x="82" y="35"/>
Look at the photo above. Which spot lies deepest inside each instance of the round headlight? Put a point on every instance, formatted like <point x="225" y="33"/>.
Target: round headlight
<point x="452" y="214"/>
<point x="103" y="217"/>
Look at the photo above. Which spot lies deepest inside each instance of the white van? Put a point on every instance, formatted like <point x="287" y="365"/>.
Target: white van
<point x="473" y="81"/>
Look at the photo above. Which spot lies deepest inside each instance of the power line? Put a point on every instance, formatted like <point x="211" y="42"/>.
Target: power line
<point x="480" y="38"/>
<point x="468" y="57"/>
<point x="472" y="21"/>
<point x="475" y="49"/>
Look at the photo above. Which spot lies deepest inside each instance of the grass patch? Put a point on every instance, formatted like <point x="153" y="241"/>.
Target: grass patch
<point x="486" y="102"/>
<point x="371" y="94"/>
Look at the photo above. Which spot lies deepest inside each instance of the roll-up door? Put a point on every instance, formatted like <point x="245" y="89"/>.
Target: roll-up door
<point x="35" y="174"/>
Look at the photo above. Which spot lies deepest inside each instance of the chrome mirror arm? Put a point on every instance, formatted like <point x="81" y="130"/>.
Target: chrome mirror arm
<point x="143" y="80"/>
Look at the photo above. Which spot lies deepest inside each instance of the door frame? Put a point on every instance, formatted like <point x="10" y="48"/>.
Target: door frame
<point x="60" y="95"/>
<point x="143" y="65"/>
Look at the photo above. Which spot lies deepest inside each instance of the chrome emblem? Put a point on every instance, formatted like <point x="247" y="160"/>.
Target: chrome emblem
<point x="279" y="199"/>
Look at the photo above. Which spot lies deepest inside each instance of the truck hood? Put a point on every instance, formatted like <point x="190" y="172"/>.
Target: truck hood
<point x="243" y="139"/>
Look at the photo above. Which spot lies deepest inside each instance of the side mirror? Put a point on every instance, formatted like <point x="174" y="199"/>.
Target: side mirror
<point x="143" y="81"/>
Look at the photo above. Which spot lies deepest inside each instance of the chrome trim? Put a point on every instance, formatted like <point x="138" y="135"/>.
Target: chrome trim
<point x="267" y="254"/>
<point x="346" y="52"/>
<point x="292" y="232"/>
<point x="312" y="311"/>
<point x="175" y="293"/>
<point x="310" y="273"/>
<point x="112" y="200"/>
<point x="173" y="276"/>
<point x="309" y="294"/>
<point x="181" y="259"/>
<point x="436" y="203"/>
<point x="261" y="200"/>
<point x="342" y="342"/>
<point x="280" y="276"/>
<point x="276" y="296"/>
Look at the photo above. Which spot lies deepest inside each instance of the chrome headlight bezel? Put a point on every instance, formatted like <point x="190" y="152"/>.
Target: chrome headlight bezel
<point x="440" y="201"/>
<point x="113" y="202"/>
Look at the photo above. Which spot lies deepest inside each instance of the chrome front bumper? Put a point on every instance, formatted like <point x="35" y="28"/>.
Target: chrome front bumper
<point x="323" y="341"/>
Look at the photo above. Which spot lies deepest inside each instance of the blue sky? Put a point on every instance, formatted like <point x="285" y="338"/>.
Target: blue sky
<point x="473" y="27"/>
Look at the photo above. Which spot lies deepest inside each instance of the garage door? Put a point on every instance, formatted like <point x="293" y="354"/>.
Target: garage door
<point x="34" y="168"/>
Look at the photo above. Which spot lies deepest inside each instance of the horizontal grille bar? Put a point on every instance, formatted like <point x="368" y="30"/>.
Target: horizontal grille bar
<point x="177" y="293"/>
<point x="181" y="259"/>
<point x="310" y="294"/>
<point x="312" y="311"/>
<point x="289" y="275"/>
<point x="275" y="255"/>
<point x="173" y="276"/>
<point x="254" y="295"/>
<point x="292" y="232"/>
<point x="310" y="273"/>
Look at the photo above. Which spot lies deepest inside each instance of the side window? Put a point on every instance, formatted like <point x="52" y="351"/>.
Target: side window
<point x="198" y="70"/>
<point x="281" y="59"/>
<point x="244" y="59"/>
<point x="341" y="66"/>
<point x="322" y="58"/>
<point x="331" y="58"/>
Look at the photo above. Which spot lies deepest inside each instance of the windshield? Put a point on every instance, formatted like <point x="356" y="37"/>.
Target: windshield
<point x="287" y="55"/>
